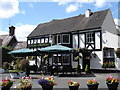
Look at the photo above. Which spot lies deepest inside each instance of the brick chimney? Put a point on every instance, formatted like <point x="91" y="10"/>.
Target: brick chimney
<point x="11" y="30"/>
<point x="88" y="13"/>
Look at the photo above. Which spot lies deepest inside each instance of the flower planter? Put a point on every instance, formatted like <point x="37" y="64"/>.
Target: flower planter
<point x="73" y="87"/>
<point x="112" y="86"/>
<point x="27" y="88"/>
<point x="47" y="87"/>
<point x="5" y="88"/>
<point x="92" y="86"/>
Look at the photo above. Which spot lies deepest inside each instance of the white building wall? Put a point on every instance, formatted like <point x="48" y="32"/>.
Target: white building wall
<point x="109" y="39"/>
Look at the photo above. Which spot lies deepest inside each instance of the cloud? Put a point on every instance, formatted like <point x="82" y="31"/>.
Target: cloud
<point x="8" y="8"/>
<point x="22" y="31"/>
<point x="79" y="4"/>
<point x="100" y="3"/>
<point x="72" y="8"/>
<point x="3" y="32"/>
<point x="62" y="2"/>
<point x="117" y="21"/>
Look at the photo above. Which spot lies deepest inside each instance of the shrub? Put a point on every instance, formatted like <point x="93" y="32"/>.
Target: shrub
<point x="6" y="65"/>
<point x="24" y="65"/>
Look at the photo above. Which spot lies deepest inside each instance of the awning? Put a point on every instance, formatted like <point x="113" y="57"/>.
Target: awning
<point x="24" y="52"/>
<point x="56" y="48"/>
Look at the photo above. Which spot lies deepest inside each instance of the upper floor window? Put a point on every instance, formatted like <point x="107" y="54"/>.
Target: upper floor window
<point x="42" y="40"/>
<point x="46" y="40"/>
<point x="28" y="41"/>
<point x="59" y="38"/>
<point x="90" y="37"/>
<point x="66" y="39"/>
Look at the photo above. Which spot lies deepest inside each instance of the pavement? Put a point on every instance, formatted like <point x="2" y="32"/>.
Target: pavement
<point x="62" y="80"/>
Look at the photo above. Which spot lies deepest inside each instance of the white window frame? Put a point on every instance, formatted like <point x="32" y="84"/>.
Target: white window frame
<point x="62" y="39"/>
<point x="89" y="39"/>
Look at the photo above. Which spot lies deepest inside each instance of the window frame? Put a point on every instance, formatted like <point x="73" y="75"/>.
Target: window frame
<point x="63" y="38"/>
<point x="90" y="38"/>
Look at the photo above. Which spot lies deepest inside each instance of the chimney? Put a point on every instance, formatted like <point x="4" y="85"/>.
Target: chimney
<point x="11" y="30"/>
<point x="88" y="13"/>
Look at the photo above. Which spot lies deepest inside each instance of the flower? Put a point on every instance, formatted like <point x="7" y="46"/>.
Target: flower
<point x="92" y="82"/>
<point x="72" y="83"/>
<point x="110" y="79"/>
<point x="47" y="81"/>
<point x="8" y="82"/>
<point x="25" y="82"/>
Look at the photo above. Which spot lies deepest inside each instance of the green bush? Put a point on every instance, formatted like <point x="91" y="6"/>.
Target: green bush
<point x="24" y="65"/>
<point x="6" y="65"/>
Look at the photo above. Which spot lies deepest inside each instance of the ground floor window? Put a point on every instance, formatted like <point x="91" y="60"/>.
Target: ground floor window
<point x="61" y="59"/>
<point x="108" y="58"/>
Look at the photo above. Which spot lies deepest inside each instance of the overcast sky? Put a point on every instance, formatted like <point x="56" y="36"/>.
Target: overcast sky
<point x="25" y="16"/>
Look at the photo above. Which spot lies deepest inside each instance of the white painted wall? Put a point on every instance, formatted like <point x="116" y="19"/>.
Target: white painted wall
<point x="82" y="40"/>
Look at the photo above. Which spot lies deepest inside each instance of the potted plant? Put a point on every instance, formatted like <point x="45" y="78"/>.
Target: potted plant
<point x="73" y="85"/>
<point x="6" y="83"/>
<point x="6" y="66"/>
<point x="25" y="83"/>
<point x="112" y="83"/>
<point x="92" y="85"/>
<point x="105" y="65"/>
<point x="46" y="83"/>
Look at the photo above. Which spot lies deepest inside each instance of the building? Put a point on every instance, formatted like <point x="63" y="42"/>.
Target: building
<point x="10" y="40"/>
<point x="93" y="30"/>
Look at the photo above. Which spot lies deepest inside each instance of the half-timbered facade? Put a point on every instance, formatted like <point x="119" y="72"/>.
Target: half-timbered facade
<point x="93" y="30"/>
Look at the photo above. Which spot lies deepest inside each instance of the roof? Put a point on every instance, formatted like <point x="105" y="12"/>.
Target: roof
<point x="6" y="39"/>
<point x="20" y="45"/>
<point x="79" y="22"/>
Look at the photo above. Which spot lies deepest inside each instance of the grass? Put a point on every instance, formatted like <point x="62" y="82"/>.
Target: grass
<point x="13" y="71"/>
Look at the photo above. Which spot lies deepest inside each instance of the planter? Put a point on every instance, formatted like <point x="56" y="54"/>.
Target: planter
<point x="47" y="87"/>
<point x="73" y="87"/>
<point x="27" y="88"/>
<point x="112" y="86"/>
<point x="5" y="88"/>
<point x="92" y="86"/>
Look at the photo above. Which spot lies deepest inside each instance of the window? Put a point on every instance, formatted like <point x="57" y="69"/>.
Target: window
<point x="59" y="38"/>
<point x="39" y="41"/>
<point x="90" y="37"/>
<point x="108" y="58"/>
<point x="42" y="40"/>
<point x="46" y="40"/>
<point x="66" y="39"/>
<point x="109" y="52"/>
<point x="66" y="59"/>
<point x="35" y="41"/>
<point x="31" y="41"/>
<point x="28" y="41"/>
<point x="55" y="39"/>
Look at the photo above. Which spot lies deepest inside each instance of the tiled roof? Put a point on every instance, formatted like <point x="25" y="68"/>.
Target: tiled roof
<point x="6" y="39"/>
<point x="20" y="45"/>
<point x="79" y="22"/>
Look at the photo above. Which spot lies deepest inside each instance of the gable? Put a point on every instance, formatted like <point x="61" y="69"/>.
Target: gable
<point x="109" y="24"/>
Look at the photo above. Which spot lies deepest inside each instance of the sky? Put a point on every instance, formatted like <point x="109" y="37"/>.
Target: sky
<point x="25" y="15"/>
